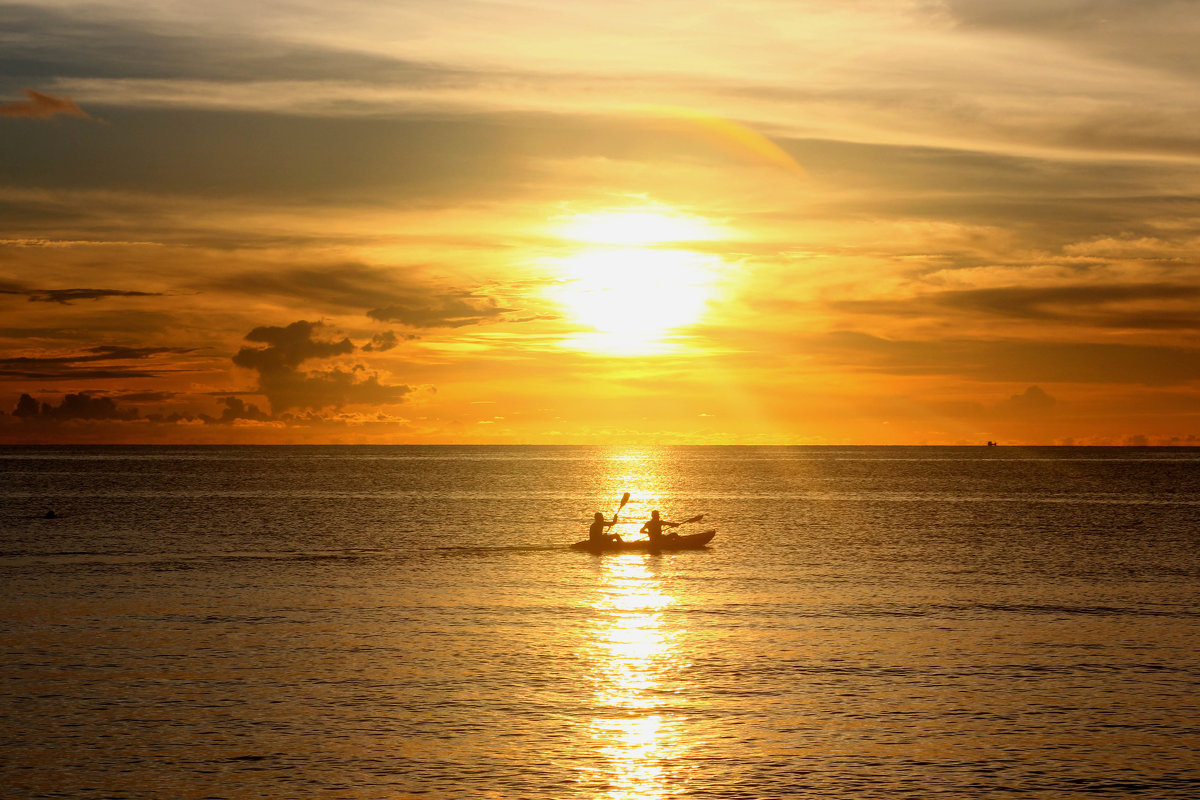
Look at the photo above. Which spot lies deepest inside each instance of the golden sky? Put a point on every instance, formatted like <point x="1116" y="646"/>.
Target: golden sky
<point x="653" y="222"/>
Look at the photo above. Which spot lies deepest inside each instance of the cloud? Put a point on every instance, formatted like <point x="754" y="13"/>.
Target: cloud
<point x="1033" y="401"/>
<point x="146" y="397"/>
<point x="1030" y="404"/>
<point x="1161" y="33"/>
<point x="339" y="286"/>
<point x="1011" y="361"/>
<point x="46" y="43"/>
<point x="898" y="92"/>
<point x="1056" y="302"/>
<point x="68" y="296"/>
<point x="1108" y="305"/>
<point x="42" y="106"/>
<point x="69" y="367"/>
<point x="236" y="408"/>
<point x="343" y="286"/>
<point x="533" y="318"/>
<point x="73" y="406"/>
<point x="99" y="324"/>
<point x="286" y="386"/>
<point x="381" y="342"/>
<point x="287" y="347"/>
<point x="87" y="406"/>
<point x="387" y="295"/>
<point x="440" y="311"/>
<point x="218" y="154"/>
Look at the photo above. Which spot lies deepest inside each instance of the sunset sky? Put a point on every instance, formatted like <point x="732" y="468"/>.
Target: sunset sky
<point x="658" y="222"/>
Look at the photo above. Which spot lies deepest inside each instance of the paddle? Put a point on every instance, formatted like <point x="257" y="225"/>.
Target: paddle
<point x="624" y="500"/>
<point x="696" y="518"/>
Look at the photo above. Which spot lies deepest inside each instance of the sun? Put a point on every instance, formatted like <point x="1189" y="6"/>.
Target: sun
<point x="631" y="296"/>
<point x="634" y="297"/>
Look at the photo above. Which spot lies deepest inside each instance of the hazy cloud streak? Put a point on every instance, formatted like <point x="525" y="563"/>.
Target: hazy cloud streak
<point x="42" y="106"/>
<point x="68" y="296"/>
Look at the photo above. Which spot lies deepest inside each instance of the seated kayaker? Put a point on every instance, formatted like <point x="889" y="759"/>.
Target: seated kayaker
<point x="596" y="534"/>
<point x="654" y="525"/>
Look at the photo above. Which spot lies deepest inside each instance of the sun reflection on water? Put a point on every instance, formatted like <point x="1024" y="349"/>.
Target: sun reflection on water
<point x="634" y="662"/>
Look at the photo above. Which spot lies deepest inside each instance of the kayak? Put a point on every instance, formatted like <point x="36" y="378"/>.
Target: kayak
<point x="695" y="541"/>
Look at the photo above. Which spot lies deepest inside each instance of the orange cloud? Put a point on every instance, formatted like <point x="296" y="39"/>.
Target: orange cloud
<point x="42" y="106"/>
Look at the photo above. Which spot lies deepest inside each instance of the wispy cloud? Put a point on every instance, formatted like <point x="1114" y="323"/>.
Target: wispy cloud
<point x="1013" y="361"/>
<point x="386" y="295"/>
<point x="68" y="296"/>
<point x="440" y="311"/>
<point x="84" y="366"/>
<point x="110" y="43"/>
<point x="1150" y="306"/>
<point x="42" y="106"/>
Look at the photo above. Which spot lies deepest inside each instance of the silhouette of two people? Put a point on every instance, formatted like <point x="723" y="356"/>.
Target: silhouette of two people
<point x="653" y="528"/>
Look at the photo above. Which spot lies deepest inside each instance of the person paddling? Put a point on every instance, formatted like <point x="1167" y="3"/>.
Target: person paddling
<point x="596" y="534"/>
<point x="654" y="525"/>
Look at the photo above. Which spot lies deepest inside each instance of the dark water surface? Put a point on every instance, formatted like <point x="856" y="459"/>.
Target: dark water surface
<point x="395" y="622"/>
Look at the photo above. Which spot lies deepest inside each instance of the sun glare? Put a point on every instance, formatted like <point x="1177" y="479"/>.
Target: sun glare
<point x="633" y="652"/>
<point x="631" y="295"/>
<point x="636" y="227"/>
<point x="633" y="228"/>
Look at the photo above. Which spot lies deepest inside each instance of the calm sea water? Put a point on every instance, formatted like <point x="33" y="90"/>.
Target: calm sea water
<point x="395" y="622"/>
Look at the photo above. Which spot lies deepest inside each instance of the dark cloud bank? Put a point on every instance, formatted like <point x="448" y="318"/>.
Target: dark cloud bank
<point x="89" y="406"/>
<point x="277" y="362"/>
<point x="73" y="406"/>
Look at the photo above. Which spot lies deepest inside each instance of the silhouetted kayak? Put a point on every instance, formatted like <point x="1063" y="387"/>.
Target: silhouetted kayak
<point x="693" y="542"/>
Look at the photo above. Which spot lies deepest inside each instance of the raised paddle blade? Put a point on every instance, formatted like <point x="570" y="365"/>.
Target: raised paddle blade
<point x="696" y="518"/>
<point x="624" y="500"/>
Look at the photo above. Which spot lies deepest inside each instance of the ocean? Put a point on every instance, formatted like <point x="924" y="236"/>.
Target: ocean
<point x="408" y="622"/>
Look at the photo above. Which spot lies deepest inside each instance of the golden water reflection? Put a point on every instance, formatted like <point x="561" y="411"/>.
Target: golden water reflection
<point x="635" y="666"/>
